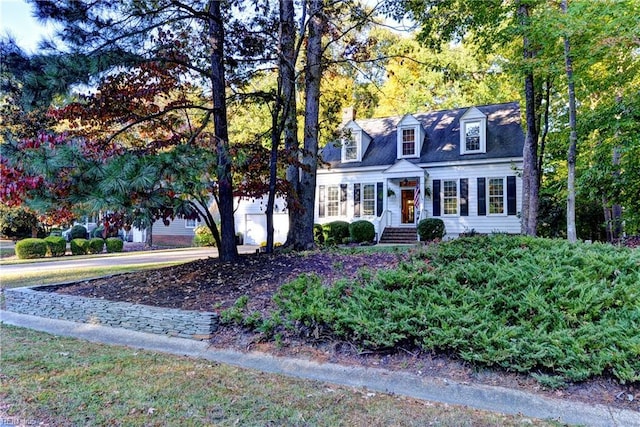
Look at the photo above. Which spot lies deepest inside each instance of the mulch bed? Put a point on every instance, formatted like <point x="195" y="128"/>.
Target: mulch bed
<point x="208" y="285"/>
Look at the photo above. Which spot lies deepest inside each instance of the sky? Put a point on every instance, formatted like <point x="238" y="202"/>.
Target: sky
<point x="16" y="19"/>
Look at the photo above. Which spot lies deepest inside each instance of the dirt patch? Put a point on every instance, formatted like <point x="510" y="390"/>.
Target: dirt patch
<point x="208" y="285"/>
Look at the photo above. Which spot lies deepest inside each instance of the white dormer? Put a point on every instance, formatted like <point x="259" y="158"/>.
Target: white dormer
<point x="355" y="142"/>
<point x="409" y="138"/>
<point x="473" y="132"/>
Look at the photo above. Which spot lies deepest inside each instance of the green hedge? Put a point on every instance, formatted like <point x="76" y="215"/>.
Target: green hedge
<point x="79" y="246"/>
<point x="95" y="245"/>
<point x="431" y="229"/>
<point x="31" y="248"/>
<point x="114" y="244"/>
<point x="362" y="231"/>
<point x="56" y="246"/>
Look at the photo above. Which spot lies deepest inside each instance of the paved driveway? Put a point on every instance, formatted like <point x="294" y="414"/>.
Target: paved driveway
<point x="121" y="259"/>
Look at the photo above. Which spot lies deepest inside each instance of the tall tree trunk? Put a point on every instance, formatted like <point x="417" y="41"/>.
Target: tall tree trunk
<point x="228" y="250"/>
<point x="291" y="145"/>
<point x="307" y="192"/>
<point x="530" y="188"/>
<point x="573" y="140"/>
<point x="545" y="129"/>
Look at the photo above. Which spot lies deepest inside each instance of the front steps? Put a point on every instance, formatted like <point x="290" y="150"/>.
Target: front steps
<point x="399" y="235"/>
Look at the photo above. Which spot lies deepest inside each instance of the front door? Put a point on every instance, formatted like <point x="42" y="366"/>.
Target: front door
<point x="408" y="212"/>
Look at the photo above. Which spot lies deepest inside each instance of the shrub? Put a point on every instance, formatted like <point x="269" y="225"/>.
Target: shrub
<point x="431" y="229"/>
<point x="56" y="246"/>
<point x="97" y="232"/>
<point x="114" y="244"/>
<point x="336" y="231"/>
<point x="31" y="248"/>
<point x="203" y="237"/>
<point x="318" y="234"/>
<point x="79" y="246"/>
<point x="95" y="245"/>
<point x="362" y="231"/>
<point x="78" y="231"/>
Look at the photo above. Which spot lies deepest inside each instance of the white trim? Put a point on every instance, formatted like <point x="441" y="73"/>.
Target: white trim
<point x="504" y="195"/>
<point x="473" y="116"/>
<point x="195" y="221"/>
<point x="471" y="162"/>
<point x="354" y="136"/>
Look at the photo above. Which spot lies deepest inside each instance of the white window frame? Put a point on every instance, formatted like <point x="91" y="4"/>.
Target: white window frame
<point x="188" y="223"/>
<point x="401" y="142"/>
<point x="444" y="197"/>
<point x="482" y="124"/>
<point x="352" y="138"/>
<point x="329" y="201"/>
<point x="504" y="196"/>
<point x="363" y="200"/>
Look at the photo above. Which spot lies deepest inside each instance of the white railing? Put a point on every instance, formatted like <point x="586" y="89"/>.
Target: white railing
<point x="383" y="222"/>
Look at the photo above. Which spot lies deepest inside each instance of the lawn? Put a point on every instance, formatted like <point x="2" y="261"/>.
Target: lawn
<point x="62" y="381"/>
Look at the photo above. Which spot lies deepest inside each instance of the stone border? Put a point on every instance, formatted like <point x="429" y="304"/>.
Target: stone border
<point x="197" y="325"/>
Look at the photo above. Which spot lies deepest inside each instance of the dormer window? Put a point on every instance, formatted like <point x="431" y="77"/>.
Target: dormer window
<point x="354" y="142"/>
<point x="473" y="132"/>
<point x="408" y="142"/>
<point x="350" y="148"/>
<point x="409" y="137"/>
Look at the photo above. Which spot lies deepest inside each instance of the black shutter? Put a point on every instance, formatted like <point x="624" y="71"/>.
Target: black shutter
<point x="511" y="195"/>
<point x="464" y="197"/>
<point x="482" y="196"/>
<point x="436" y="197"/>
<point x="356" y="200"/>
<point x="379" y="199"/>
<point x="343" y="199"/>
<point x="321" y="201"/>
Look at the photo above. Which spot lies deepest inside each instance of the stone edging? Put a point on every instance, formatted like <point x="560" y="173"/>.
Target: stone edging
<point x="197" y="325"/>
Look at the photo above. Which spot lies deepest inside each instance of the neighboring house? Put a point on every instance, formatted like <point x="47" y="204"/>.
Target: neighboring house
<point x="458" y="165"/>
<point x="179" y="232"/>
<point x="251" y="220"/>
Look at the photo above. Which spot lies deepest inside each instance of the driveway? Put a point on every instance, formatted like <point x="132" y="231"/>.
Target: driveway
<point x="122" y="259"/>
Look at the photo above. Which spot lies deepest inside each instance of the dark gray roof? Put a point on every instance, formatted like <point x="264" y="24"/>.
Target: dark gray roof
<point x="505" y="138"/>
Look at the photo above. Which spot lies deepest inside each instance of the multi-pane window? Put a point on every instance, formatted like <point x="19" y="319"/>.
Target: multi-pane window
<point x="190" y="223"/>
<point x="472" y="136"/>
<point x="369" y="199"/>
<point x="450" y="197"/>
<point x="333" y="200"/>
<point x="496" y="195"/>
<point x="350" y="148"/>
<point x="408" y="142"/>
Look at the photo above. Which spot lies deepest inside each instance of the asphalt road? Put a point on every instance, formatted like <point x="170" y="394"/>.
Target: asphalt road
<point x="122" y="259"/>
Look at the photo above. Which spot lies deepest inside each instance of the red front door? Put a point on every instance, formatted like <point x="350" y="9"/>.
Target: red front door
<point x="408" y="214"/>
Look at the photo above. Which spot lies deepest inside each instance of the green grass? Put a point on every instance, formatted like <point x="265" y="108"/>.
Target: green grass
<point x="79" y="273"/>
<point x="63" y="381"/>
<point x="566" y="312"/>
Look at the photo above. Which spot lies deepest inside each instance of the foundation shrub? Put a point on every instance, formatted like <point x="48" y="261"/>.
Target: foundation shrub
<point x="362" y="231"/>
<point x="431" y="229"/>
<point x="78" y="232"/>
<point x="31" y="248"/>
<point x="203" y="236"/>
<point x="336" y="231"/>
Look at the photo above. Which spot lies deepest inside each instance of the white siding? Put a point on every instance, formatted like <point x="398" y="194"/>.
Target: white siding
<point x="455" y="225"/>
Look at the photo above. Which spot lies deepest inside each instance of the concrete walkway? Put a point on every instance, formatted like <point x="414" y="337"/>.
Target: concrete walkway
<point x="497" y="399"/>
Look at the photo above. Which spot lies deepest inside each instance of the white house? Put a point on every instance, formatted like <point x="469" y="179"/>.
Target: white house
<point x="457" y="165"/>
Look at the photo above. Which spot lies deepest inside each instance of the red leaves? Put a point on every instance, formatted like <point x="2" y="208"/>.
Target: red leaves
<point x="15" y="183"/>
